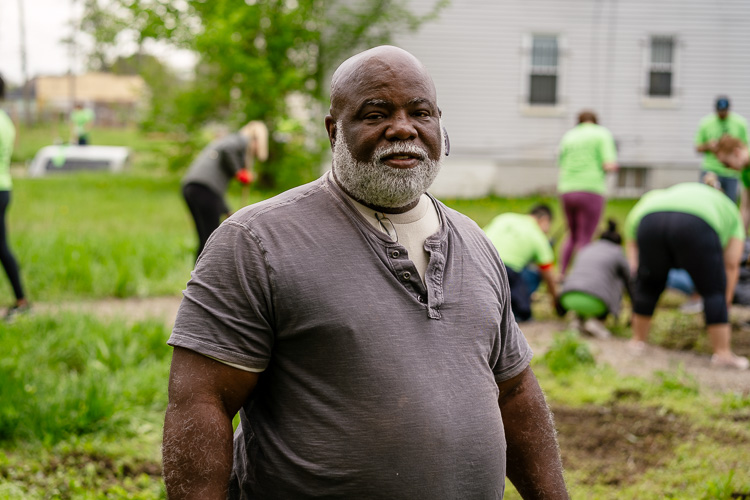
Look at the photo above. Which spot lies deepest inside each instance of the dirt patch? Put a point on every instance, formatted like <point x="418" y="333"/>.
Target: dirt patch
<point x="655" y="360"/>
<point x="616" y="444"/>
<point x="107" y="468"/>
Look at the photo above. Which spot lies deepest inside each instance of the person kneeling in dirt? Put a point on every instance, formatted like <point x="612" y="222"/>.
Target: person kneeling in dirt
<point x="521" y="240"/>
<point x="668" y="229"/>
<point x="593" y="288"/>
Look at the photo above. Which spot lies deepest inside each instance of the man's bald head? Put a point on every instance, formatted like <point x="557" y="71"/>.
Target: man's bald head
<point x="354" y="72"/>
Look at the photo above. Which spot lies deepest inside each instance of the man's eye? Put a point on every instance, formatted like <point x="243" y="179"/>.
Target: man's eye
<point x="374" y="116"/>
<point x="422" y="114"/>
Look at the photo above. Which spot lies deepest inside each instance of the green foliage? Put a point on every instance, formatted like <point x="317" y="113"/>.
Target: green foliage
<point x="567" y="353"/>
<point x="72" y="374"/>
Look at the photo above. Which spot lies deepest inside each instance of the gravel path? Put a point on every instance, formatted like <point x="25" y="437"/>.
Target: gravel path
<point x="539" y="333"/>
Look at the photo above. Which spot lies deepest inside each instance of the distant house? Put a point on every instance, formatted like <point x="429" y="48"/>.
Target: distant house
<point x="115" y="99"/>
<point x="513" y="75"/>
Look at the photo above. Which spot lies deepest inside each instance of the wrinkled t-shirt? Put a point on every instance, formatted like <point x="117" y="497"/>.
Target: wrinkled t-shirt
<point x="373" y="384"/>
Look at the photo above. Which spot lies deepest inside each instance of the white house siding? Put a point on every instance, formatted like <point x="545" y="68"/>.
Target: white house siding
<point x="474" y="52"/>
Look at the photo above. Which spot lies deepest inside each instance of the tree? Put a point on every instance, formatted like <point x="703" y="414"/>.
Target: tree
<point x="258" y="56"/>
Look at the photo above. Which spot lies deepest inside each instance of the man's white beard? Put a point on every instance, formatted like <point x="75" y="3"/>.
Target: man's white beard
<point x="377" y="184"/>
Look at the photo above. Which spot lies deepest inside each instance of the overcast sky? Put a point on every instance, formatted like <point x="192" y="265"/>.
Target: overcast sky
<point x="47" y="22"/>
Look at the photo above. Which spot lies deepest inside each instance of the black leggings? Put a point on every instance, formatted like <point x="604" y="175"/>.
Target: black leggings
<point x="6" y="256"/>
<point x="669" y="240"/>
<point x="206" y="207"/>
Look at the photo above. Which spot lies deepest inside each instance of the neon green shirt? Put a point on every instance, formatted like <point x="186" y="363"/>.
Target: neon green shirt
<point x="712" y="128"/>
<point x="7" y="137"/>
<point x="81" y="119"/>
<point x="583" y="151"/>
<point x="519" y="241"/>
<point x="693" y="198"/>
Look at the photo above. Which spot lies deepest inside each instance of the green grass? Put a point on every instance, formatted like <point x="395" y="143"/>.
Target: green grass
<point x="81" y="405"/>
<point x="99" y="235"/>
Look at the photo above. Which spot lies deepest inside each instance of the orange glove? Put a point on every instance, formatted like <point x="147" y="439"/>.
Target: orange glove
<point x="244" y="176"/>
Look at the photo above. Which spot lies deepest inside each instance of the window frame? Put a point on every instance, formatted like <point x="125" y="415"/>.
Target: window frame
<point x="661" y="101"/>
<point x="528" y="108"/>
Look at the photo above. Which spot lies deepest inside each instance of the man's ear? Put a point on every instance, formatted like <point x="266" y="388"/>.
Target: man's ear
<point x="447" y="142"/>
<point x="331" y="129"/>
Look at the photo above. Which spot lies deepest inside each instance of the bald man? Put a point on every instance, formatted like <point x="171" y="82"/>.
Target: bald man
<point x="361" y="328"/>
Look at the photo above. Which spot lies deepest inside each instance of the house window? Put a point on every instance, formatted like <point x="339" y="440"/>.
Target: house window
<point x="661" y="67"/>
<point x="631" y="181"/>
<point x="543" y="78"/>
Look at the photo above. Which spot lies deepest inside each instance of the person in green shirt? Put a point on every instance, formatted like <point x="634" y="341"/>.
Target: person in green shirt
<point x="710" y="131"/>
<point x="587" y="152"/>
<point x="667" y="229"/>
<point x="81" y="119"/>
<point x="520" y="240"/>
<point x="7" y="141"/>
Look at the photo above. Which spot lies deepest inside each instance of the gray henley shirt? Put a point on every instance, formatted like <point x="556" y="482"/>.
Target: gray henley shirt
<point x="374" y="384"/>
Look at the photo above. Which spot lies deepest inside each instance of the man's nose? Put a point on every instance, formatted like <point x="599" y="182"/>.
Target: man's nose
<point x="401" y="128"/>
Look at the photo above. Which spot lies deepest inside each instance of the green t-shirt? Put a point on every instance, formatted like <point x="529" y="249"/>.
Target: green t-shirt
<point x="81" y="119"/>
<point x="519" y="241"/>
<point x="7" y="137"/>
<point x="693" y="198"/>
<point x="583" y="151"/>
<point x="711" y="129"/>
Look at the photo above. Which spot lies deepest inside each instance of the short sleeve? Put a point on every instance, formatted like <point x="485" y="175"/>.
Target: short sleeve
<point x="226" y="311"/>
<point x="700" y="136"/>
<point x="544" y="253"/>
<point x="609" y="151"/>
<point x="743" y="132"/>
<point x="514" y="353"/>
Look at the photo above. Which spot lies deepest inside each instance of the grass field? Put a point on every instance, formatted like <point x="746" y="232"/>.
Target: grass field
<point x="82" y="398"/>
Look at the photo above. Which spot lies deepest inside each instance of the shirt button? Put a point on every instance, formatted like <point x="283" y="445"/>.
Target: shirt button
<point x="406" y="276"/>
<point x="395" y="254"/>
<point x="420" y="298"/>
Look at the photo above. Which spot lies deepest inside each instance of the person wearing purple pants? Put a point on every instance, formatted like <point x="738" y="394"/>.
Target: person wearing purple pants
<point x="587" y="153"/>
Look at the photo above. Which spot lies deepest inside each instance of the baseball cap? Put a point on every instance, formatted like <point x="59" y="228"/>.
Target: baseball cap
<point x="722" y="104"/>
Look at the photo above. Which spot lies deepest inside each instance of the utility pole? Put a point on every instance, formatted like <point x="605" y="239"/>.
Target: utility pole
<point x="73" y="43"/>
<point x="24" y="68"/>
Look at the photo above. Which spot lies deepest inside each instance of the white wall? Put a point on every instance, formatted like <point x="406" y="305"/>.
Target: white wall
<point x="474" y="52"/>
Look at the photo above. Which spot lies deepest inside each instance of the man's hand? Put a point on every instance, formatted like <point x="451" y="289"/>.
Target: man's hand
<point x="707" y="147"/>
<point x="244" y="176"/>
<point x="533" y="457"/>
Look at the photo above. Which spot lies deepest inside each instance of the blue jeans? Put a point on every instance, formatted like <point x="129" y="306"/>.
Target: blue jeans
<point x="730" y="185"/>
<point x="679" y="279"/>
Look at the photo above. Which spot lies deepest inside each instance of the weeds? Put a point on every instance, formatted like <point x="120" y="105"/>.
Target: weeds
<point x="72" y="375"/>
<point x="567" y="353"/>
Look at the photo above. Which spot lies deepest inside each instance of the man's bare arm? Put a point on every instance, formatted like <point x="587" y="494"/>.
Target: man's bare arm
<point x="204" y="396"/>
<point x="533" y="456"/>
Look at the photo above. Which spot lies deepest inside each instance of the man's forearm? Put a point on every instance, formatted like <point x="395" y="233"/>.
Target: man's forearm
<point x="533" y="457"/>
<point x="197" y="452"/>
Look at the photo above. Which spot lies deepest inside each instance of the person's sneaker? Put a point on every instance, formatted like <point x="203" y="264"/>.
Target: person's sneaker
<point x="694" y="306"/>
<point x="636" y="347"/>
<point x="736" y="362"/>
<point x="14" y="311"/>
<point x="596" y="328"/>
